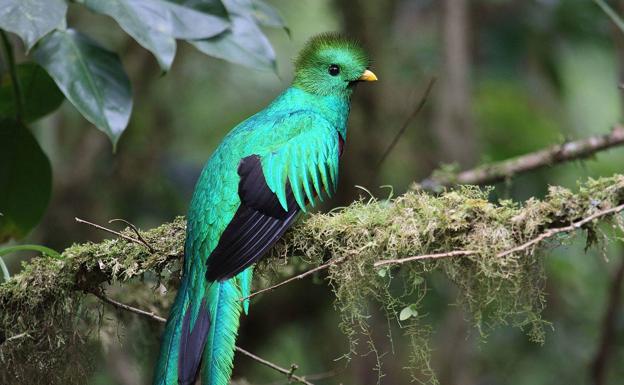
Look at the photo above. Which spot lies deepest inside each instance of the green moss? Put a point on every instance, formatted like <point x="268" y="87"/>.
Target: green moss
<point x="47" y="299"/>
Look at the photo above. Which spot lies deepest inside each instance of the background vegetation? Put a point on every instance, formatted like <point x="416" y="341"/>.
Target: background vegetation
<point x="512" y="77"/>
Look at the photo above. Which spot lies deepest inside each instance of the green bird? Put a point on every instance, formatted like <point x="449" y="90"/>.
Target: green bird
<point x="264" y="172"/>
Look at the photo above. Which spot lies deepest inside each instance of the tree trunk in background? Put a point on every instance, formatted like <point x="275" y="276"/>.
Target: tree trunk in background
<point x="453" y="127"/>
<point x="618" y="42"/>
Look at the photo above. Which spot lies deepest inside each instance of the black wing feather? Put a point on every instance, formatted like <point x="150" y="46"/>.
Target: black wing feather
<point x="257" y="224"/>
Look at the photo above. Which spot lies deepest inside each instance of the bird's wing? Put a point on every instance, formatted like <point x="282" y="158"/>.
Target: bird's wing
<point x="273" y="188"/>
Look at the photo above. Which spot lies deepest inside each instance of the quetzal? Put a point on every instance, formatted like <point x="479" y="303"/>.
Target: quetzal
<point x="264" y="172"/>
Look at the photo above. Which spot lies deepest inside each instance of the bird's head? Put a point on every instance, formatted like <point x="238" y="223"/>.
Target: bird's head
<point x="331" y="64"/>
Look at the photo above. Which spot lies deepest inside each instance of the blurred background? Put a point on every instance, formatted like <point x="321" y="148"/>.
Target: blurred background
<point x="513" y="76"/>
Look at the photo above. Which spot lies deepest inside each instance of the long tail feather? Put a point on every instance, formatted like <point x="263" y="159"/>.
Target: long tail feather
<point x="225" y="308"/>
<point x="166" y="372"/>
<point x="184" y="338"/>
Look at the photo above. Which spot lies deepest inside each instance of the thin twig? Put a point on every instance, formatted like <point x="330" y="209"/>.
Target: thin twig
<point x="117" y="233"/>
<point x="407" y="122"/>
<point x="288" y="372"/>
<point x="309" y="377"/>
<point x="296" y="277"/>
<point x="565" y="229"/>
<point x="499" y="171"/>
<point x="16" y="337"/>
<point x="17" y="91"/>
<point x="425" y="256"/>
<point x="540" y="238"/>
<point x="104" y="298"/>
<point x="137" y="232"/>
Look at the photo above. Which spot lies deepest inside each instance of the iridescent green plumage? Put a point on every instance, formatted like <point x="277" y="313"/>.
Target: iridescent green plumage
<point x="266" y="169"/>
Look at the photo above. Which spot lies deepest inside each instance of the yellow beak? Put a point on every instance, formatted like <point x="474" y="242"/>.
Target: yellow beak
<point x="368" y="76"/>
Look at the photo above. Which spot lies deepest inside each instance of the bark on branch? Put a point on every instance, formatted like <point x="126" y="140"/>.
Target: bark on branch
<point x="496" y="172"/>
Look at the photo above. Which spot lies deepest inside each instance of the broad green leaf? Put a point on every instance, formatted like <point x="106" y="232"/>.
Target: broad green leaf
<point x="266" y="15"/>
<point x="38" y="248"/>
<point x="25" y="181"/>
<point x="408" y="312"/>
<point x="91" y="77"/>
<point x="244" y="43"/>
<point x="31" y="19"/>
<point x="155" y="24"/>
<point x="40" y="93"/>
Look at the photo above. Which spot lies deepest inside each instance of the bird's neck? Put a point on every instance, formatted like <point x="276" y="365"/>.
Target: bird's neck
<point x="334" y="108"/>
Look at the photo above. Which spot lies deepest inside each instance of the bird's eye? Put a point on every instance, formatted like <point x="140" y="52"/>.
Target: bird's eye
<point x="334" y="69"/>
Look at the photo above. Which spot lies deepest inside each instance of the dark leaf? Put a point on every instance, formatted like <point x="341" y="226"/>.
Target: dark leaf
<point x="244" y="43"/>
<point x="31" y="19"/>
<point x="91" y="77"/>
<point x="41" y="95"/>
<point x="25" y="181"/>
<point x="155" y="24"/>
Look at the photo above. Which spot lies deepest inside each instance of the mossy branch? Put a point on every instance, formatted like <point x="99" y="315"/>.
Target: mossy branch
<point x="499" y="171"/>
<point x="47" y="298"/>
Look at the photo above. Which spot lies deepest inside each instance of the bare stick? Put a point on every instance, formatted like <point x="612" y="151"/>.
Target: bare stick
<point x="288" y="372"/>
<point x="425" y="256"/>
<point x="407" y="122"/>
<point x="296" y="277"/>
<point x="565" y="229"/>
<point x="496" y="172"/>
<point x="100" y="294"/>
<point x="540" y="238"/>
<point x="136" y="231"/>
<point x="117" y="233"/>
<point x="16" y="337"/>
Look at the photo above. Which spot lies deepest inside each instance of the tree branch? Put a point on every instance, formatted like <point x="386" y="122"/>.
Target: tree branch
<point x="533" y="242"/>
<point x="122" y="306"/>
<point x="357" y="239"/>
<point x="296" y="277"/>
<point x="496" y="172"/>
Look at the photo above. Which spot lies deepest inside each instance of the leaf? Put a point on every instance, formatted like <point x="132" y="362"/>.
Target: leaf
<point x="25" y="181"/>
<point x="31" y="19"/>
<point x="213" y="7"/>
<point x="41" y="249"/>
<point x="155" y="24"/>
<point x="408" y="312"/>
<point x="91" y="77"/>
<point x="244" y="43"/>
<point x="40" y="93"/>
<point x="267" y="15"/>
